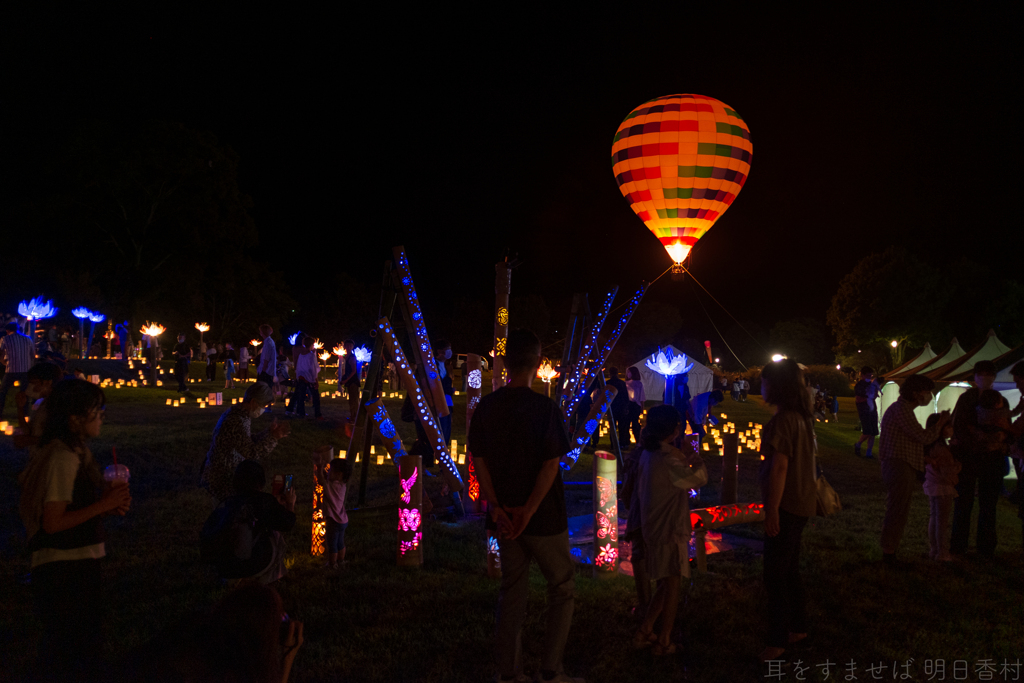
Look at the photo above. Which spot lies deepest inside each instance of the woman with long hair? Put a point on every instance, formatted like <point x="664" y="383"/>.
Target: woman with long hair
<point x="63" y="499"/>
<point x="665" y="476"/>
<point x="788" y="486"/>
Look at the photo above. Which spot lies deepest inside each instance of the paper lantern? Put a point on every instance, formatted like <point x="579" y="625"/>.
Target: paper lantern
<point x="680" y="161"/>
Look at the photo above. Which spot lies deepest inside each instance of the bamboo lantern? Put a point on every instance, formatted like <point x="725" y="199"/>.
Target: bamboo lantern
<point x="410" y="519"/>
<point x="421" y="344"/>
<point x="474" y="387"/>
<point x="319" y="531"/>
<point x="502" y="286"/>
<point x="420" y="404"/>
<point x="606" y="516"/>
<point x="585" y="430"/>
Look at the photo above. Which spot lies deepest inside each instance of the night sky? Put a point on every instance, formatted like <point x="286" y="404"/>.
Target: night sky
<point x="461" y="136"/>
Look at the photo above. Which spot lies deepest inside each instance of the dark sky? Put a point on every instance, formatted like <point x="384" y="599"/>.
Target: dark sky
<point x="459" y="136"/>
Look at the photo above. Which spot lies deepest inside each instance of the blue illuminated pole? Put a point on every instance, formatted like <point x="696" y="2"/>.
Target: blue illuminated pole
<point x="81" y="313"/>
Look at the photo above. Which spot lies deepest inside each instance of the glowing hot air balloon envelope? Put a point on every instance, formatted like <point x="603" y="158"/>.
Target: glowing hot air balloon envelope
<point x="680" y="161"/>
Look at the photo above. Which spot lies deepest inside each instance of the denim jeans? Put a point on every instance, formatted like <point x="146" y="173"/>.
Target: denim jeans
<point x="555" y="561"/>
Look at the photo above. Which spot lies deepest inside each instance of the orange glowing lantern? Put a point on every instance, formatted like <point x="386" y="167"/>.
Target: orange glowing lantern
<point x="680" y="161"/>
<point x="317" y="344"/>
<point x="325" y="356"/>
<point x="339" y="351"/>
<point x="255" y="342"/>
<point x="153" y="330"/>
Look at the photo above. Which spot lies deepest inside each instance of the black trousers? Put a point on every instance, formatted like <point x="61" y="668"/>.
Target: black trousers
<point x="181" y="374"/>
<point x="299" y="397"/>
<point x="264" y="377"/>
<point x="787" y="602"/>
<point x="69" y="604"/>
<point x="985" y="471"/>
<point x="211" y="371"/>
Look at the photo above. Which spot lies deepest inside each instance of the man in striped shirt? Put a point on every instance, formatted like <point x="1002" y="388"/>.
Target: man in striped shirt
<point x="902" y="456"/>
<point x="19" y="355"/>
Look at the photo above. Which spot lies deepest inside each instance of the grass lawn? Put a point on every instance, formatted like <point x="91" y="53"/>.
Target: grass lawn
<point x="375" y="622"/>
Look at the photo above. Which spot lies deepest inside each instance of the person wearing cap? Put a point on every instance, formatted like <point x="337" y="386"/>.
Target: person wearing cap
<point x="981" y="469"/>
<point x="233" y="441"/>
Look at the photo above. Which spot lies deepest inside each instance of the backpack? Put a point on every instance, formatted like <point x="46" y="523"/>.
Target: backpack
<point x="229" y="534"/>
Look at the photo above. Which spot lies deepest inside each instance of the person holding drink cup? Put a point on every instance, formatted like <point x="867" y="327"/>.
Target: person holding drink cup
<point x="63" y="501"/>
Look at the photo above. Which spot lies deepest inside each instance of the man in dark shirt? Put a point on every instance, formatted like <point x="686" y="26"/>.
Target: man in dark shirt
<point x="182" y="358"/>
<point x="979" y="468"/>
<point x="517" y="440"/>
<point x="620" y="407"/>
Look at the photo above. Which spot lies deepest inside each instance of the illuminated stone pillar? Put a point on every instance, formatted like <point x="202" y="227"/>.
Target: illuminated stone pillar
<point x="410" y="519"/>
<point x="606" y="515"/>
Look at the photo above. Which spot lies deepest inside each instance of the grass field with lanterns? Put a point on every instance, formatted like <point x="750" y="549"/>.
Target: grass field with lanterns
<point x="375" y="622"/>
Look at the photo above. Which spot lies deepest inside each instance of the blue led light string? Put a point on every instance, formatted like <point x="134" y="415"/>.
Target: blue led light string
<point x="424" y="354"/>
<point x="386" y="429"/>
<point x="419" y="401"/>
<point x="586" y="430"/>
<point x="606" y="351"/>
<point x="569" y="396"/>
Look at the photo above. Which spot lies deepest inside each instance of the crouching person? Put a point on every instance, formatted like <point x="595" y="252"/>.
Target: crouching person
<point x="243" y="538"/>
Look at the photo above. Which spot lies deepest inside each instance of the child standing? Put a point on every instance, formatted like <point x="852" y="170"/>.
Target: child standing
<point x="211" y="363"/>
<point x="941" y="472"/>
<point x="229" y="366"/>
<point x="333" y="478"/>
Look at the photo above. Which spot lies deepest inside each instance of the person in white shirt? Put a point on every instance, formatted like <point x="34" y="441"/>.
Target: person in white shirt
<point x="307" y="373"/>
<point x="267" y="367"/>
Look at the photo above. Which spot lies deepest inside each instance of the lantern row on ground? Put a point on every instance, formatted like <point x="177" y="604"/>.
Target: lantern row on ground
<point x="427" y="420"/>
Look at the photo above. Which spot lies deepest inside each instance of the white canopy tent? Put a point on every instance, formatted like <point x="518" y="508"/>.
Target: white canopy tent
<point x="891" y="391"/>
<point x="701" y="377"/>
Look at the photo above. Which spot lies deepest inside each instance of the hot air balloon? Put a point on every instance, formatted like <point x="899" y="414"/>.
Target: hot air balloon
<point x="680" y="161"/>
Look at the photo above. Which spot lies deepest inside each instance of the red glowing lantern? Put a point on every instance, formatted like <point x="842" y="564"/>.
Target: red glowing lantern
<point x="680" y="161"/>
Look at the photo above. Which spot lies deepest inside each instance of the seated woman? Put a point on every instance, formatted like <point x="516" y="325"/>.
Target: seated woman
<point x="242" y="537"/>
<point x="233" y="441"/>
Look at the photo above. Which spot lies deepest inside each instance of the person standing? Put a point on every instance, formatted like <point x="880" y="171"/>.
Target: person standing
<point x="981" y="469"/>
<point x="744" y="389"/>
<point x="637" y="398"/>
<point x="620" y="407"/>
<point x="902" y="457"/>
<point x="243" y="363"/>
<point x="211" y="363"/>
<point x="307" y="373"/>
<point x="267" y="368"/>
<point x="665" y="476"/>
<point x="63" y="502"/>
<point x="517" y="441"/>
<point x="736" y="388"/>
<point x="182" y="358"/>
<point x="350" y="380"/>
<point x="789" y="491"/>
<point x="19" y="355"/>
<point x="865" y="392"/>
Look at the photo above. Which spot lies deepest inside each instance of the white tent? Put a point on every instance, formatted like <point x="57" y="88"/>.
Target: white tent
<point x="701" y="378"/>
<point x="891" y="391"/>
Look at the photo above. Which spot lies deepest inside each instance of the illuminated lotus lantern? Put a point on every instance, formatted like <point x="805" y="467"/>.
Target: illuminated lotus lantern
<point x="153" y="330"/>
<point x="668" y="366"/>
<point x="546" y="374"/>
<point x="202" y="327"/>
<point x="680" y="160"/>
<point x="339" y="351"/>
<point x="255" y="342"/>
<point x="317" y="344"/>
<point x="362" y="355"/>
<point x="292" y="338"/>
<point x="35" y="309"/>
<point x="325" y="356"/>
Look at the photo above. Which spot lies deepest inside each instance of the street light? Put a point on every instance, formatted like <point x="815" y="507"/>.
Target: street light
<point x="777" y="357"/>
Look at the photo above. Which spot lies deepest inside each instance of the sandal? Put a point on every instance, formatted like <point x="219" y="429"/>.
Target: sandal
<point x="642" y="640"/>
<point x="660" y="650"/>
